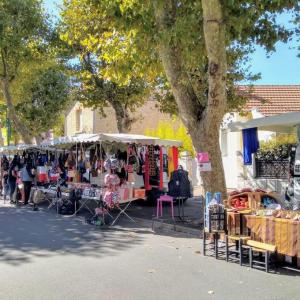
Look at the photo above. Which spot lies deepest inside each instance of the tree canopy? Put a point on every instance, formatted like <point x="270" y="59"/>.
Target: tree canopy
<point x="193" y="52"/>
<point x="125" y="35"/>
<point x="22" y="35"/>
<point x="42" y="97"/>
<point x="31" y="81"/>
<point x="82" y="32"/>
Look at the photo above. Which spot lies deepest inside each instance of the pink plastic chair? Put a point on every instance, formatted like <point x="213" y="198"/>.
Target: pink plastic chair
<point x="159" y="208"/>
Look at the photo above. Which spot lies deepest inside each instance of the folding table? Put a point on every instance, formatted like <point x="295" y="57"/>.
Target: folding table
<point x="47" y="192"/>
<point x="84" y="203"/>
<point x="122" y="211"/>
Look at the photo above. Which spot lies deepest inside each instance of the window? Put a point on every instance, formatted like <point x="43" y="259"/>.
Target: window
<point x="223" y="142"/>
<point x="78" y="120"/>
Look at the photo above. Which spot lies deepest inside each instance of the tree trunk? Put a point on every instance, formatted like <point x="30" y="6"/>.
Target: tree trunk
<point x="214" y="35"/>
<point x="124" y="121"/>
<point x="202" y="121"/>
<point x="21" y="128"/>
<point x="1" y="136"/>
<point x="38" y="139"/>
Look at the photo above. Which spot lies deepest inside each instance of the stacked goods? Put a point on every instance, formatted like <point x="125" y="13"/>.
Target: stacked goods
<point x="139" y="193"/>
<point x="249" y="199"/>
<point x="215" y="220"/>
<point x="239" y="202"/>
<point x="286" y="214"/>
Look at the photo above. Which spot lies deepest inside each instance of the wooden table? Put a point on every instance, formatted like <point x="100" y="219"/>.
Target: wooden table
<point x="236" y="222"/>
<point x="284" y="233"/>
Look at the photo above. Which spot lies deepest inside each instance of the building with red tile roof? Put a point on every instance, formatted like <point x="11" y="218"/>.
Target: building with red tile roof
<point x="271" y="100"/>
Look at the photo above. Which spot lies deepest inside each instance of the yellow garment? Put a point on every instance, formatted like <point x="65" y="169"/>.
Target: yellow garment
<point x="170" y="161"/>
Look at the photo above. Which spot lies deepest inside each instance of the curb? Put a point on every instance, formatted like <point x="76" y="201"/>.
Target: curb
<point x="160" y="225"/>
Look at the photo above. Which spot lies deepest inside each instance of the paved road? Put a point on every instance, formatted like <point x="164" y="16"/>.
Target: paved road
<point x="44" y="256"/>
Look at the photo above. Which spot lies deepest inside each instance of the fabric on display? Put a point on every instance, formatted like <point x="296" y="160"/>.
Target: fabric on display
<point x="179" y="185"/>
<point x="152" y="162"/>
<point x="250" y="144"/>
<point x="138" y="180"/>
<point x="284" y="233"/>
<point x="171" y="161"/>
<point x="112" y="196"/>
<point x="161" y="169"/>
<point x="175" y="157"/>
<point x="147" y="176"/>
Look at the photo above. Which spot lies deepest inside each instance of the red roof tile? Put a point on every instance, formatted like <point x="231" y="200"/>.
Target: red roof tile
<point x="272" y="99"/>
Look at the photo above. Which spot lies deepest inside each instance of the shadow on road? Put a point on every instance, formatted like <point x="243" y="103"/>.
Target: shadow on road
<point x="25" y="234"/>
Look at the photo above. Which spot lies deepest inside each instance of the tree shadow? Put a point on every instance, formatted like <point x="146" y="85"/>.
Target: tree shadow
<point x="26" y="234"/>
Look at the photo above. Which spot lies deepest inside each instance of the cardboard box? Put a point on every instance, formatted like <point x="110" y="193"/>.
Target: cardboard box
<point x="139" y="193"/>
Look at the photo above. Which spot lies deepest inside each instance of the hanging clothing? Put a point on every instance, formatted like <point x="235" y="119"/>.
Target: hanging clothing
<point x="179" y="185"/>
<point x="147" y="175"/>
<point x="161" y="169"/>
<point x="250" y="144"/>
<point x="170" y="161"/>
<point x="152" y="161"/>
<point x="173" y="155"/>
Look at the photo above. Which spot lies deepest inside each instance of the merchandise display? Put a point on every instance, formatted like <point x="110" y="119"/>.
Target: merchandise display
<point x="252" y="221"/>
<point x="110" y="170"/>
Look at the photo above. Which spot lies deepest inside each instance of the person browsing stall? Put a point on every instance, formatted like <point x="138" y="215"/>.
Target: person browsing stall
<point x="4" y="174"/>
<point x="27" y="178"/>
<point x="12" y="176"/>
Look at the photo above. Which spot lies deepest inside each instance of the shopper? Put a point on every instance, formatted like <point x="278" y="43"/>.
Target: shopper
<point x="4" y="174"/>
<point x="27" y="179"/>
<point x="12" y="176"/>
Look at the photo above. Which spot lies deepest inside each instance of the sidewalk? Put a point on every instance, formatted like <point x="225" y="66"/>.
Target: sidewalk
<point x="193" y="212"/>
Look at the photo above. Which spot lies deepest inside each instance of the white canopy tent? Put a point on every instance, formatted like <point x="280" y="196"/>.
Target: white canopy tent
<point x="111" y="138"/>
<point x="279" y="123"/>
<point x="136" y="139"/>
<point x="69" y="140"/>
<point x="22" y="147"/>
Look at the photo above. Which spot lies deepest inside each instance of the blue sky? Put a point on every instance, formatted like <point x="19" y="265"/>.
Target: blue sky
<point x="281" y="67"/>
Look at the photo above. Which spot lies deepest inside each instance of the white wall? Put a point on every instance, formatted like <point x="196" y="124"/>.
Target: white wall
<point x="230" y="155"/>
<point x="230" y="160"/>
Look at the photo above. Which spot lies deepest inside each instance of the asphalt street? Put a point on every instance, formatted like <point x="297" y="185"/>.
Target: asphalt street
<point x="45" y="256"/>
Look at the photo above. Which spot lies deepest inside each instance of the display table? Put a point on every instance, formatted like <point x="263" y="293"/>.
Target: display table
<point x="52" y="196"/>
<point x="122" y="207"/>
<point x="284" y="233"/>
<point x="236" y="223"/>
<point x="84" y="201"/>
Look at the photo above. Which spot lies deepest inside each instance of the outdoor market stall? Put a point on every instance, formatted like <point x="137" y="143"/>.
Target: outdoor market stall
<point x="115" y="169"/>
<point x="236" y="233"/>
<point x="38" y="156"/>
<point x="255" y="221"/>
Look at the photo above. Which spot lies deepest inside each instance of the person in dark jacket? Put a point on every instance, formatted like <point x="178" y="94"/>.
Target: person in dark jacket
<point x="4" y="176"/>
<point x="12" y="176"/>
<point x="27" y="179"/>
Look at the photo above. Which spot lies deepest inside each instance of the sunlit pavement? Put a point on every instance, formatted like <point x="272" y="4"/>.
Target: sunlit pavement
<point x="45" y="256"/>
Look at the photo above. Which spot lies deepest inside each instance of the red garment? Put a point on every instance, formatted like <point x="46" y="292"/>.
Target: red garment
<point x="175" y="157"/>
